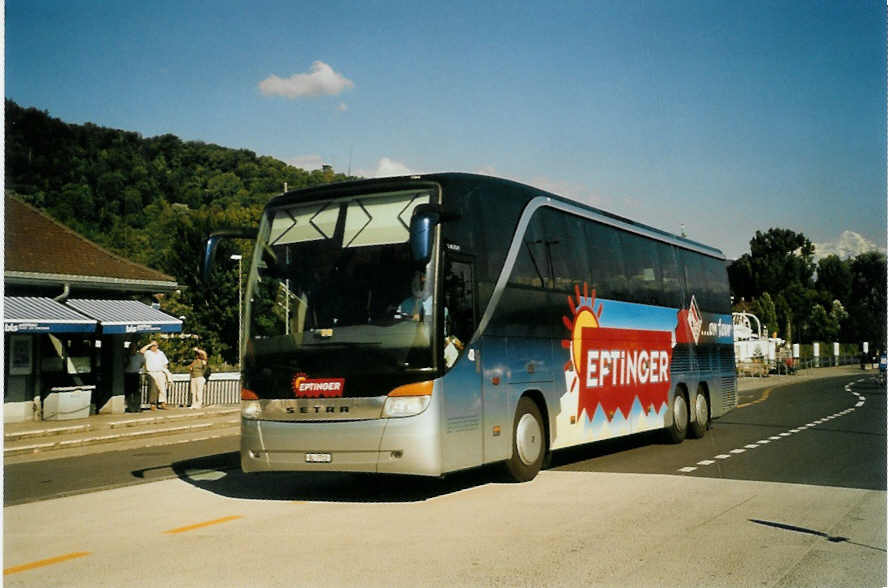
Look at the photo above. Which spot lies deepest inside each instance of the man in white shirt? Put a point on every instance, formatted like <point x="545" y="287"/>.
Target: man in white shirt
<point x="156" y="367"/>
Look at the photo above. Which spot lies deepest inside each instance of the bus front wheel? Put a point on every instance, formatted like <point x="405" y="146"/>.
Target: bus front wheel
<point x="678" y="430"/>
<point x="528" y="442"/>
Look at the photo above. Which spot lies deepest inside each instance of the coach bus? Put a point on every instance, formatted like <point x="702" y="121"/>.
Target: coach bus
<point x="429" y="324"/>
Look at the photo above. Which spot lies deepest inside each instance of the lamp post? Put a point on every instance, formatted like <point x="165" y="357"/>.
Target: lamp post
<point x="240" y="321"/>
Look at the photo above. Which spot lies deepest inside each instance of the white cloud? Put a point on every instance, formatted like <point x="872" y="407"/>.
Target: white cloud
<point x="321" y="81"/>
<point x="849" y="244"/>
<point x="389" y="167"/>
<point x="306" y="162"/>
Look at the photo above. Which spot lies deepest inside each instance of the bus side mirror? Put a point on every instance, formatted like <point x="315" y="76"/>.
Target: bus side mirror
<point x="213" y="242"/>
<point x="422" y="225"/>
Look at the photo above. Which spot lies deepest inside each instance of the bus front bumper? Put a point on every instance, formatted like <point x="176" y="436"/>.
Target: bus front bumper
<point x="394" y="446"/>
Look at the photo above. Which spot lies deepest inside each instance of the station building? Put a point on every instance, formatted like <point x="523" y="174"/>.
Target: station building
<point x="70" y="309"/>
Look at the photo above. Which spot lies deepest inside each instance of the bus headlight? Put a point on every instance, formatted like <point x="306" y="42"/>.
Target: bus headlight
<point x="250" y="409"/>
<point x="405" y="406"/>
<point x="409" y="400"/>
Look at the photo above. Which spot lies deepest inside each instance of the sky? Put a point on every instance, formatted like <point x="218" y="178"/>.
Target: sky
<point x="718" y="119"/>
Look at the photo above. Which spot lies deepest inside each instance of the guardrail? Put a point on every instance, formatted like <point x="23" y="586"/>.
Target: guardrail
<point x="761" y="367"/>
<point x="221" y="389"/>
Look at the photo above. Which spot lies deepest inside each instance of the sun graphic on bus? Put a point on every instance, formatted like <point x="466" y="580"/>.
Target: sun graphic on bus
<point x="613" y="368"/>
<point x="584" y="315"/>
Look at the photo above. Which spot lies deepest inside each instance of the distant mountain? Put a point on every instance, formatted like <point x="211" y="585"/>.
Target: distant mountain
<point x="848" y="245"/>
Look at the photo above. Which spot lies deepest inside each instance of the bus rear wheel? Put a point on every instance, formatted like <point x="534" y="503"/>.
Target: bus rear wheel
<point x="528" y="442"/>
<point x="701" y="408"/>
<point x="678" y="430"/>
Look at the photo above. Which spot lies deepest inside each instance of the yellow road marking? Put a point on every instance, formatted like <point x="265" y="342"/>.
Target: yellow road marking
<point x="763" y="397"/>
<point x="201" y="525"/>
<point x="44" y="562"/>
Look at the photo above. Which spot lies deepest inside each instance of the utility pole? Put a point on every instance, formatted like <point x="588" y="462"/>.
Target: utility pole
<point x="240" y="320"/>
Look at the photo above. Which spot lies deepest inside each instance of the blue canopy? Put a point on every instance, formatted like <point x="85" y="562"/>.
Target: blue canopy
<point x="31" y="314"/>
<point x="126" y="316"/>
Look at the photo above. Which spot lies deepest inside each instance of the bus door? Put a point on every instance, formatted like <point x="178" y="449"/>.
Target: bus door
<point x="462" y="414"/>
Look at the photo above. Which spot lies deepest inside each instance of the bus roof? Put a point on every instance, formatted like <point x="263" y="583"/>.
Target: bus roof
<point x="445" y="178"/>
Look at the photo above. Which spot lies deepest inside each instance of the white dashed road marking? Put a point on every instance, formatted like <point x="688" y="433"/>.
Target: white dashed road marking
<point x="861" y="400"/>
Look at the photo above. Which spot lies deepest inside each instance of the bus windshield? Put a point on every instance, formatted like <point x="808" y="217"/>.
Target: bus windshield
<point x="333" y="292"/>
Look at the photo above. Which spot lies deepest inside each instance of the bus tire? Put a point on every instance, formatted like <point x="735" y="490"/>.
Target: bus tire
<point x="701" y="407"/>
<point x="528" y="442"/>
<point x="678" y="429"/>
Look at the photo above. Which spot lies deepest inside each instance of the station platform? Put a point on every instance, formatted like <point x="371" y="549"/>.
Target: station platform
<point x="38" y="440"/>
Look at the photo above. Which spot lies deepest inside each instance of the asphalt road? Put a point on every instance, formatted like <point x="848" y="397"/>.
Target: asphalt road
<point x="847" y="451"/>
<point x="629" y="513"/>
<point x="53" y="478"/>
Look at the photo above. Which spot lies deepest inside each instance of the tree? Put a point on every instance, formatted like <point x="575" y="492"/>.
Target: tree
<point x="834" y="278"/>
<point x="867" y="300"/>
<point x="779" y="261"/>
<point x="820" y="326"/>
<point x="764" y="308"/>
<point x="78" y="197"/>
<point x="825" y="326"/>
<point x="838" y="314"/>
<point x="224" y="186"/>
<point x="781" y="257"/>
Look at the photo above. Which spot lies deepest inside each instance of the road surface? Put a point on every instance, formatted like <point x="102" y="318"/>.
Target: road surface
<point x="802" y="504"/>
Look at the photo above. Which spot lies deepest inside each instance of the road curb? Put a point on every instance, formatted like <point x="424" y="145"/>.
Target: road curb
<point x="18" y="436"/>
<point x="117" y="437"/>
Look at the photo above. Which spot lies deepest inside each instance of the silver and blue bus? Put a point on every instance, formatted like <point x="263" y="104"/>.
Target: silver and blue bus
<point x="429" y="324"/>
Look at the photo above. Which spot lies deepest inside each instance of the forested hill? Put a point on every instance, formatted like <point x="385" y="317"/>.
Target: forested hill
<point x="110" y="185"/>
<point x="151" y="200"/>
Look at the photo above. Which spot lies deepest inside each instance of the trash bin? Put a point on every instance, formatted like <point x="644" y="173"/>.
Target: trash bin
<point x="65" y="403"/>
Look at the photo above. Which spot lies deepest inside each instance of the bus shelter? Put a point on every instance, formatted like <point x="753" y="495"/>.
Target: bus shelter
<point x="69" y="308"/>
<point x="65" y="359"/>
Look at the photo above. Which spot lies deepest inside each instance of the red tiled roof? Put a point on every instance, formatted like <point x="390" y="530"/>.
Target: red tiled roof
<point x="35" y="243"/>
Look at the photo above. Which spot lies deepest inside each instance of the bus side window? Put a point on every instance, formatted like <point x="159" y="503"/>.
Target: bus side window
<point x="567" y="249"/>
<point x="532" y="267"/>
<point x="717" y="287"/>
<point x="642" y="268"/>
<point x="605" y="256"/>
<point x="672" y="277"/>
<point x="695" y="278"/>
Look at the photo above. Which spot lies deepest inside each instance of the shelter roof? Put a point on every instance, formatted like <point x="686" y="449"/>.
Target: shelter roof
<point x="41" y="251"/>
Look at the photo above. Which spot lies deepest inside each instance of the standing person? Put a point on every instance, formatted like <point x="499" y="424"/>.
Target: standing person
<point x="156" y="366"/>
<point x="196" y="386"/>
<point x="132" y="380"/>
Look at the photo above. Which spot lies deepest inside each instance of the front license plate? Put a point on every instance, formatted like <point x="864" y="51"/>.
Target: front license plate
<point x="318" y="458"/>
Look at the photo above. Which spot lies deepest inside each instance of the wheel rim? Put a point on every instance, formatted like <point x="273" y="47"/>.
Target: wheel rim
<point x="680" y="413"/>
<point x="528" y="439"/>
<point x="702" y="410"/>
